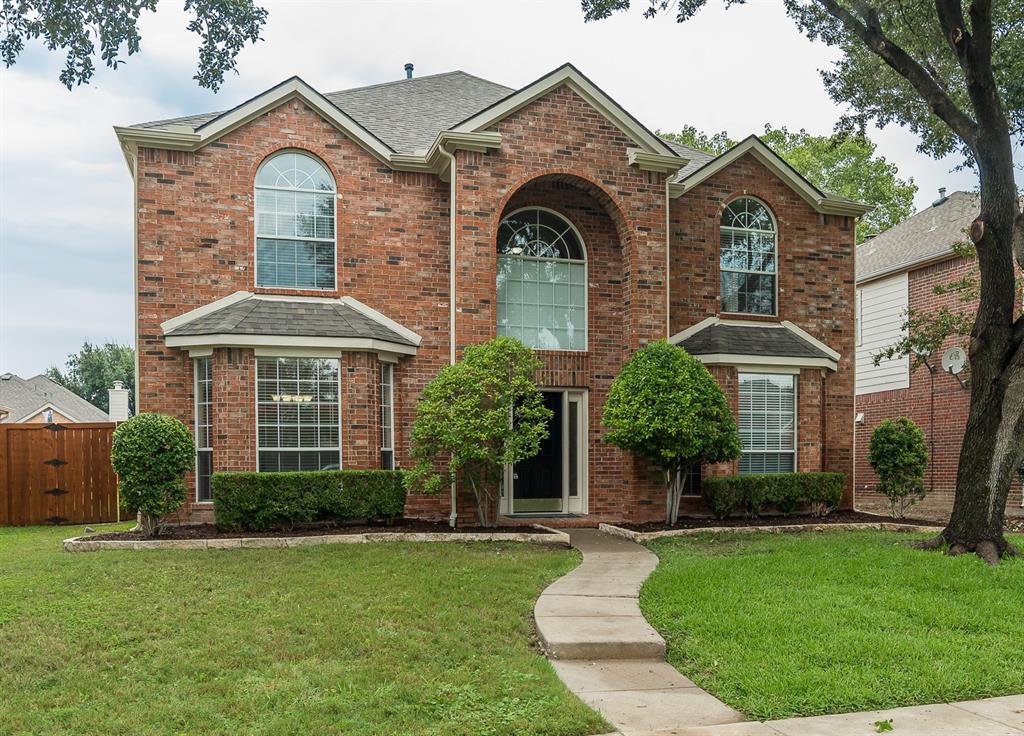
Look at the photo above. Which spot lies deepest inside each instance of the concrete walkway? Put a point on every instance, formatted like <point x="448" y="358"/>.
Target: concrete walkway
<point x="604" y="650"/>
<point x="591" y="627"/>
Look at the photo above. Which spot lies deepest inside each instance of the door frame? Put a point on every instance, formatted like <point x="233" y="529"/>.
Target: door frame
<point x="580" y="503"/>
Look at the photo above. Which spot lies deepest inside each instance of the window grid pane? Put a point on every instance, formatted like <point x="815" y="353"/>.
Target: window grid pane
<point x="748" y="258"/>
<point x="297" y="414"/>
<point x="542" y="281"/>
<point x="295" y="216"/>
<point x="203" y="427"/>
<point x="387" y="416"/>
<point x="767" y="423"/>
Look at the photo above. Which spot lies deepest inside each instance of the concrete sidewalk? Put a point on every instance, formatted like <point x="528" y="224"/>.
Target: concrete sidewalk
<point x="604" y="650"/>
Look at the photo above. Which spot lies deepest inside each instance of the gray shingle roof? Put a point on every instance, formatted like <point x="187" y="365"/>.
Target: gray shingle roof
<point x="697" y="158"/>
<point x="281" y="317"/>
<point x="742" y="340"/>
<point x="25" y="397"/>
<point x="927" y="235"/>
<point x="406" y="114"/>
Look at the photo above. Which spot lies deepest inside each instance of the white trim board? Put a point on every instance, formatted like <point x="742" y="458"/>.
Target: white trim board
<point x="360" y="344"/>
<point x="753" y="145"/>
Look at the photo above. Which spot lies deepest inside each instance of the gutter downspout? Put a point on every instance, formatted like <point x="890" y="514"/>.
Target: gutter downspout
<point x="668" y="262"/>
<point x="131" y="154"/>
<point x="454" y="515"/>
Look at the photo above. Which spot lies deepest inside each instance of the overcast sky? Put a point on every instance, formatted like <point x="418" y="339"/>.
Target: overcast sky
<point x="65" y="192"/>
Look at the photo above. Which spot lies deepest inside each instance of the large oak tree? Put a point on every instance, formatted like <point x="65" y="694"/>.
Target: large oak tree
<point x="954" y="75"/>
<point x="90" y="30"/>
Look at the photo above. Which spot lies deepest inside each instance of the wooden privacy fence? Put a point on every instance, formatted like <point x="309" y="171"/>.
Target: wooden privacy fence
<point x="56" y="474"/>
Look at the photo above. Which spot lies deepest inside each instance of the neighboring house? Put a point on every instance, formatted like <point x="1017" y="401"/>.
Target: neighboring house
<point x="38" y="399"/>
<point x="898" y="271"/>
<point x="306" y="263"/>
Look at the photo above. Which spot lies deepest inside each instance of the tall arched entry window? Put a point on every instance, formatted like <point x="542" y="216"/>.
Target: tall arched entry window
<point x="749" y="258"/>
<point x="542" y="281"/>
<point x="295" y="244"/>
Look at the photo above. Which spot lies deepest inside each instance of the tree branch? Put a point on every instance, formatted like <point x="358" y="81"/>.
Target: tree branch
<point x="870" y="32"/>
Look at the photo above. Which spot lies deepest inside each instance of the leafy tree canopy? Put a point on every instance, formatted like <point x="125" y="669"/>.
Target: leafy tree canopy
<point x="664" y="405"/>
<point x="102" y="29"/>
<point x="92" y="371"/>
<point x="476" y="417"/>
<point x="843" y="164"/>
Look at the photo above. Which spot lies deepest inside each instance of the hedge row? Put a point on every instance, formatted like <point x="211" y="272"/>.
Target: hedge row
<point x="261" y="501"/>
<point x="749" y="494"/>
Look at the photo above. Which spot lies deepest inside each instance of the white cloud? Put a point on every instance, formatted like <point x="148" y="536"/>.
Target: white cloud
<point x="65" y="235"/>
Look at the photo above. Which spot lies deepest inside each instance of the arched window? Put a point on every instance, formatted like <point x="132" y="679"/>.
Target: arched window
<point x="749" y="258"/>
<point x="542" y="281"/>
<point x="294" y="223"/>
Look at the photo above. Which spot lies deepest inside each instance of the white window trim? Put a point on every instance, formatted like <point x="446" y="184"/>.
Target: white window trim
<point x="586" y="274"/>
<point x="256" y="410"/>
<point x="858" y="316"/>
<point x="255" y="218"/>
<point x="774" y="274"/>
<point x="195" y="423"/>
<point x="796" y="418"/>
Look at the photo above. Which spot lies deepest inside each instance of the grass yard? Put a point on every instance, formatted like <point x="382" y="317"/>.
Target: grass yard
<point x="341" y="639"/>
<point x="786" y="625"/>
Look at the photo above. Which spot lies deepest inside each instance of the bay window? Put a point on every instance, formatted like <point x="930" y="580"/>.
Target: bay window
<point x="203" y="392"/>
<point x="298" y="414"/>
<point x="767" y="423"/>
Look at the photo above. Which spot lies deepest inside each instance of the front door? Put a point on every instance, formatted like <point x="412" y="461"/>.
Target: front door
<point x="555" y="480"/>
<point x="537" y="482"/>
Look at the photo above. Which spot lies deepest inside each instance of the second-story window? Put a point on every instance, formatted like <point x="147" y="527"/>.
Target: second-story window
<point x="542" y="281"/>
<point x="295" y="238"/>
<point x="748" y="258"/>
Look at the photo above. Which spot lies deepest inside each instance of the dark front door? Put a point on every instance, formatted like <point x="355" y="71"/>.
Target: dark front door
<point x="537" y="482"/>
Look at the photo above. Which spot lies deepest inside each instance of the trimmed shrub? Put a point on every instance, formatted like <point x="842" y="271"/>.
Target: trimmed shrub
<point x="899" y="455"/>
<point x="262" y="501"/>
<point x="728" y="495"/>
<point x="151" y="454"/>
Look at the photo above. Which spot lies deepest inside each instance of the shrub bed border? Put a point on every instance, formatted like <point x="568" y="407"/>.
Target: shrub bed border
<point x="546" y="535"/>
<point x="885" y="526"/>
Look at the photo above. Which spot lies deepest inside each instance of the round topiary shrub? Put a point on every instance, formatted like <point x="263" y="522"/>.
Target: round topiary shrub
<point x="899" y="455"/>
<point x="151" y="454"/>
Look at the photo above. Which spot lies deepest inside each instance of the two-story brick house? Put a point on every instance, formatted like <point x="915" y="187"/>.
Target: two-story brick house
<point x="305" y="263"/>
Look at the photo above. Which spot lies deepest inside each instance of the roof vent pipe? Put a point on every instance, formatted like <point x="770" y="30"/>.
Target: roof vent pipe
<point x="942" y="197"/>
<point x="408" y="70"/>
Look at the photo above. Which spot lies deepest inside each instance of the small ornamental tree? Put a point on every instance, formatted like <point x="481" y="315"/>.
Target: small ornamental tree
<point x="666" y="406"/>
<point x="476" y="417"/>
<point x="899" y="455"/>
<point x="151" y="454"/>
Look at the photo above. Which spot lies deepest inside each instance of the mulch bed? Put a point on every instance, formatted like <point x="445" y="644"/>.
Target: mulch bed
<point x="209" y="531"/>
<point x="836" y="517"/>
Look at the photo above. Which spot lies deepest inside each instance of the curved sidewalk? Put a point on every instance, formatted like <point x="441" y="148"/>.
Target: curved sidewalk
<point x="605" y="651"/>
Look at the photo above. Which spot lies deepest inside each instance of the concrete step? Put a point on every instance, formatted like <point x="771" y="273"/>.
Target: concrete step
<point x="583" y="676"/>
<point x="599" y="637"/>
<point x="636" y="712"/>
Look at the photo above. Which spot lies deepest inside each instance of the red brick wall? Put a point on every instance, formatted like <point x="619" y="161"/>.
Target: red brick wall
<point x="943" y="427"/>
<point x="815" y="292"/>
<point x="195" y="225"/>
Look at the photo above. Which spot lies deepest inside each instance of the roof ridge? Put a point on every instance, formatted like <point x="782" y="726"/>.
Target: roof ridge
<point x="414" y="79"/>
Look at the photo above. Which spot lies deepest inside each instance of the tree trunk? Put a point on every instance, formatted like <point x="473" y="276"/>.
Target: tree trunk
<point x="994" y="437"/>
<point x="675" y="481"/>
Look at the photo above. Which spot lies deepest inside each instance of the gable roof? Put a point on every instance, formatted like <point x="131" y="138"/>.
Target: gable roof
<point x="404" y="123"/>
<point x="247" y="319"/>
<point x="822" y="201"/>
<point x="925" y="237"/>
<point x="734" y="342"/>
<point x="24" y="398"/>
<point x="574" y="79"/>
<point x="407" y="114"/>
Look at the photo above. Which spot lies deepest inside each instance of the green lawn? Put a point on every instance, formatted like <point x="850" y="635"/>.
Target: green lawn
<point x="786" y="625"/>
<point x="348" y="639"/>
